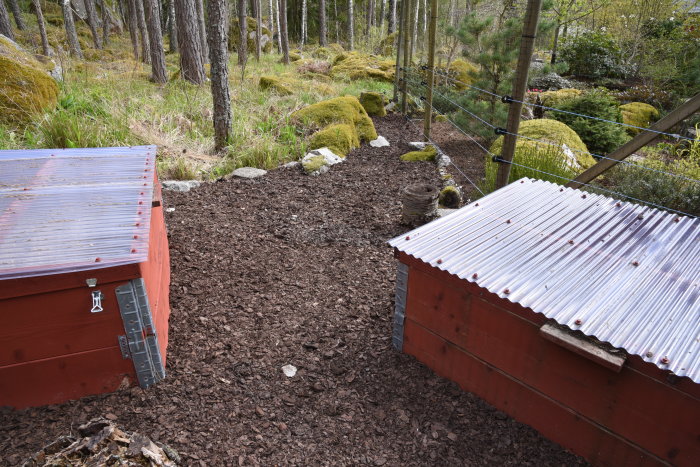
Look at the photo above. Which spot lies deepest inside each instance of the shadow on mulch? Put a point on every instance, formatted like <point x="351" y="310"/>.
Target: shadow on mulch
<point x="292" y="269"/>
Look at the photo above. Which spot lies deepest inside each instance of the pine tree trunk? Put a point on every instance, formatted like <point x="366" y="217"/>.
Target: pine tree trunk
<point x="218" y="48"/>
<point x="42" y="28"/>
<point x="133" y="27"/>
<point x="258" y="30"/>
<point x="283" y="31"/>
<point x="272" y="22"/>
<point x="277" y="18"/>
<point x="392" y="16"/>
<point x="105" y="22"/>
<point x="351" y="26"/>
<point x="243" y="34"/>
<point x="202" y="31"/>
<point x="172" y="27"/>
<point x="69" y="24"/>
<point x="414" y="25"/>
<point x="322" y="32"/>
<point x="115" y="21"/>
<point x="303" y="22"/>
<point x="370" y="16"/>
<point x="5" y="25"/>
<point x="189" y="41"/>
<point x="555" y="44"/>
<point x="14" y="6"/>
<point x="336" y="21"/>
<point x="158" y="73"/>
<point x="143" y="32"/>
<point x="382" y="14"/>
<point x="92" y="23"/>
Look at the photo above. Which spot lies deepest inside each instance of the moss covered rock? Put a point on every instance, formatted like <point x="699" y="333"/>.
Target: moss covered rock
<point x="356" y="65"/>
<point x="462" y="73"/>
<point x="554" y="98"/>
<point x="252" y="27"/>
<point x="638" y="114"/>
<point x="337" y="48"/>
<point x="324" y="53"/>
<point x="345" y="109"/>
<point x="294" y="56"/>
<point x="554" y="135"/>
<point x="387" y="46"/>
<point x="427" y="154"/>
<point x="373" y="103"/>
<point x="450" y="197"/>
<point x="276" y="84"/>
<point x="339" y="138"/>
<point x="26" y="89"/>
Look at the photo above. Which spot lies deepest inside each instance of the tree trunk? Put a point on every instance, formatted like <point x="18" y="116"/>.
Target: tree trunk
<point x="189" y="41"/>
<point x="283" y="31"/>
<point x="271" y="21"/>
<point x="92" y="23"/>
<point x="143" y="32"/>
<point x="243" y="33"/>
<point x="382" y="14"/>
<point x="351" y="26"/>
<point x="46" y="50"/>
<point x="202" y="31"/>
<point x="303" y="22"/>
<point x="322" y="32"/>
<point x="279" y="34"/>
<point x="71" y="35"/>
<point x="133" y="27"/>
<point x="414" y="25"/>
<point x="258" y="31"/>
<point x="392" y="16"/>
<point x="14" y="6"/>
<point x="218" y="48"/>
<point x="114" y="20"/>
<point x="337" y="23"/>
<point x="5" y="25"/>
<point x="172" y="27"/>
<point x="370" y="16"/>
<point x="105" y="22"/>
<point x="158" y="73"/>
<point x="555" y="44"/>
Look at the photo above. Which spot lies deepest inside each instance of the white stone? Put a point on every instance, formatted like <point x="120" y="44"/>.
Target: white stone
<point x="330" y="158"/>
<point x="179" y="185"/>
<point x="417" y="145"/>
<point x="248" y="172"/>
<point x="289" y="371"/>
<point x="380" y="142"/>
<point x="169" y="209"/>
<point x="571" y="160"/>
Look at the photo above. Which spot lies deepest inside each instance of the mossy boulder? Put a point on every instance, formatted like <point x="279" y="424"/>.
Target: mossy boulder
<point x="337" y="48"/>
<point x="373" y="103"/>
<point x="638" y="114"/>
<point x="387" y="46"/>
<point x="340" y="138"/>
<point x="347" y="110"/>
<point x="26" y="88"/>
<point x="294" y="56"/>
<point x="356" y="65"/>
<point x="429" y="153"/>
<point x="252" y="27"/>
<point x="323" y="53"/>
<point x="461" y="72"/>
<point x="276" y="84"/>
<point x="554" y="135"/>
<point x="450" y="197"/>
<point x="555" y="98"/>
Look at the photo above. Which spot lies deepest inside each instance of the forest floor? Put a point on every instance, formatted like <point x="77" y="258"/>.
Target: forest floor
<point x="291" y="269"/>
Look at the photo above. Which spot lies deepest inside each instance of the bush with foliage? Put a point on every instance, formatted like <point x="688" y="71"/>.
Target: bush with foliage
<point x="593" y="54"/>
<point x="550" y="82"/>
<point x="638" y="114"/>
<point x="600" y="137"/>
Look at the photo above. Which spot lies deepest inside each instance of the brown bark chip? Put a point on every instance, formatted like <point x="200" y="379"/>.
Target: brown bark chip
<point x="289" y="269"/>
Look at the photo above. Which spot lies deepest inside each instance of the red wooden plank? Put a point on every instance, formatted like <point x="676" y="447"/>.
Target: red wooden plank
<point x="59" y="379"/>
<point x="46" y="325"/>
<point x="639" y="408"/>
<point x="523" y="403"/>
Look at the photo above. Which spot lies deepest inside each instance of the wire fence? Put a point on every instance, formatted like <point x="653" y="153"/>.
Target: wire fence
<point x="453" y="111"/>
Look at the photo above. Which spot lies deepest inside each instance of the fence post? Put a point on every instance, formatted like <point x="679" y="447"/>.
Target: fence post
<point x="406" y="35"/>
<point x="527" y="43"/>
<point x="430" y="72"/>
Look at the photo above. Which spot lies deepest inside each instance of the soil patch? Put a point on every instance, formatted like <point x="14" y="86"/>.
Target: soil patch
<point x="291" y="269"/>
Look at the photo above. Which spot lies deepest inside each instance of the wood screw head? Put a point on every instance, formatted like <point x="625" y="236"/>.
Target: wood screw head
<point x="578" y="322"/>
<point x="665" y="360"/>
<point x="439" y="261"/>
<point x="506" y="291"/>
<point x="475" y="276"/>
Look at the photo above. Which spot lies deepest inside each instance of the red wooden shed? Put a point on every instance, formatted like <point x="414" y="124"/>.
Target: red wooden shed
<point x="84" y="273"/>
<point x="573" y="312"/>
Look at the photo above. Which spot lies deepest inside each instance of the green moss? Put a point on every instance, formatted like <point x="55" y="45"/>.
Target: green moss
<point x="25" y="88"/>
<point x="450" y="197"/>
<point x="427" y="154"/>
<point x="274" y="83"/>
<point x="337" y="48"/>
<point x="323" y="53"/>
<point x="638" y="114"/>
<point x="387" y="46"/>
<point x="551" y="131"/>
<point x="339" y="138"/>
<point x="294" y="56"/>
<point x="373" y="103"/>
<point x="345" y="109"/>
<point x="313" y="164"/>
<point x="356" y="65"/>
<point x="441" y="118"/>
<point x="554" y="98"/>
<point x="235" y="31"/>
<point x="462" y="72"/>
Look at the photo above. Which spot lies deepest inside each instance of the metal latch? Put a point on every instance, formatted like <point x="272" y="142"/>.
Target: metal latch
<point x="97" y="296"/>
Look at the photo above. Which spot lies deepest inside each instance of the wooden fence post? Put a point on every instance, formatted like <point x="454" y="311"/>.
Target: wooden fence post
<point x="527" y="43"/>
<point x="430" y="72"/>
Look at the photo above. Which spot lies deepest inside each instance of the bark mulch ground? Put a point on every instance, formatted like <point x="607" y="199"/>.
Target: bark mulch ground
<point x="292" y="269"/>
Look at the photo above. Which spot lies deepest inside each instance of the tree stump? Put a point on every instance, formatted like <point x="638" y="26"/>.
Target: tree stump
<point x="419" y="204"/>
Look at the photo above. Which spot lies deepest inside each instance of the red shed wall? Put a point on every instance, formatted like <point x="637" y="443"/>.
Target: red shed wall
<point x="493" y="348"/>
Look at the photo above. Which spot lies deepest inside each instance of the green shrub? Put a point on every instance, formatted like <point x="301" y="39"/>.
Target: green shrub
<point x="592" y="54"/>
<point x="638" y="114"/>
<point x="600" y="137"/>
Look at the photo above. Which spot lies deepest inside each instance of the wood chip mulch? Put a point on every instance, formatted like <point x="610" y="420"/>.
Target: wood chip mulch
<point x="289" y="269"/>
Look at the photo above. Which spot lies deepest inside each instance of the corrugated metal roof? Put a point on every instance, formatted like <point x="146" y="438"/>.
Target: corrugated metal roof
<point x="64" y="210"/>
<point x="627" y="274"/>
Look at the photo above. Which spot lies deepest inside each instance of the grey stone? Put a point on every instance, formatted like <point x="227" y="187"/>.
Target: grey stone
<point x="380" y="142"/>
<point x="330" y="158"/>
<point x="180" y="185"/>
<point x="248" y="172"/>
<point x="417" y="145"/>
<point x="291" y="165"/>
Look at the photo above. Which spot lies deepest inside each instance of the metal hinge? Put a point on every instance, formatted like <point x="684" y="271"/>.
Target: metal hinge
<point x="140" y="332"/>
